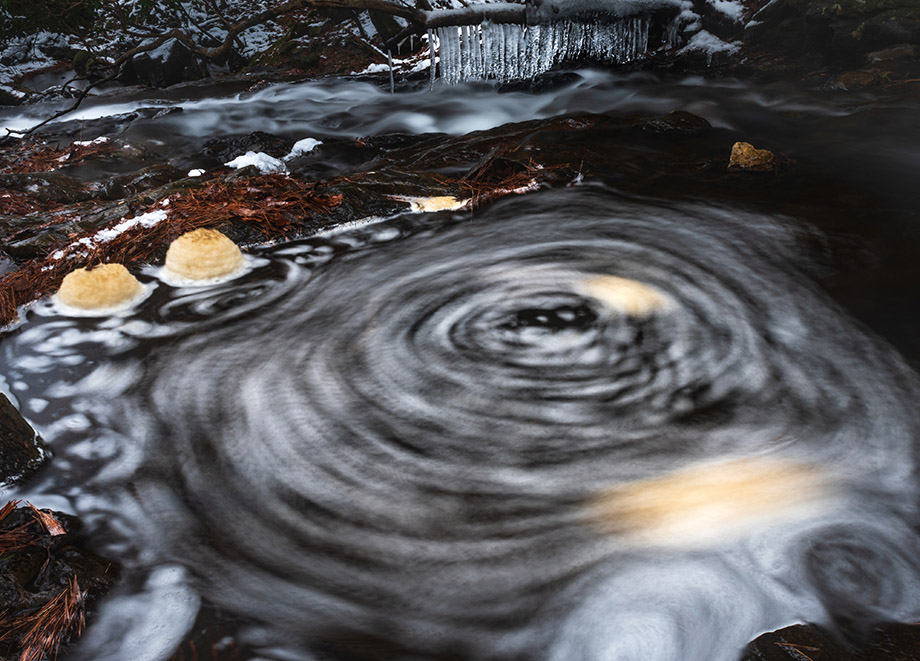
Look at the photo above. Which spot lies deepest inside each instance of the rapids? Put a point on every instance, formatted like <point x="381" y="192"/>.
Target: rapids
<point x="423" y="436"/>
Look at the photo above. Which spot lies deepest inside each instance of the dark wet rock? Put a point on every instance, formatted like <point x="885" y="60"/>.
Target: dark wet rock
<point x="167" y="65"/>
<point x="43" y="561"/>
<point x="852" y="80"/>
<point x="47" y="186"/>
<point x="146" y="179"/>
<point x="20" y="448"/>
<point x="843" y="33"/>
<point x="677" y="121"/>
<point x="226" y="149"/>
<point x="10" y="96"/>
<point x="889" y="642"/>
<point x="897" y="53"/>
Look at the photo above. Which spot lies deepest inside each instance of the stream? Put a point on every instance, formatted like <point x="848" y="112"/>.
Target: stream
<point x="490" y="434"/>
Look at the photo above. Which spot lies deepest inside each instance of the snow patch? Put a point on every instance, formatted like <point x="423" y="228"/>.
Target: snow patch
<point x="98" y="141"/>
<point x="266" y="164"/>
<point x="302" y="147"/>
<point x="195" y="173"/>
<point x="731" y="8"/>
<point x="710" y="44"/>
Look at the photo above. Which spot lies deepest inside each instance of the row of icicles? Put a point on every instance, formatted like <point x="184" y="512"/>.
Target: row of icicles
<point x="504" y="51"/>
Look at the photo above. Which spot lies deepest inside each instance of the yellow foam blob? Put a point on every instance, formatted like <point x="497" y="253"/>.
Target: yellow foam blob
<point x="203" y="254"/>
<point x="635" y="298"/>
<point x="708" y="503"/>
<point x="105" y="286"/>
<point x="427" y="204"/>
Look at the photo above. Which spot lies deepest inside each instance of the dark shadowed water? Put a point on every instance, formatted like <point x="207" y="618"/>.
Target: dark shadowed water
<point x="576" y="425"/>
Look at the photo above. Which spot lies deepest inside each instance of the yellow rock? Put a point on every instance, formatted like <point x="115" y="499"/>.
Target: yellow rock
<point x="203" y="254"/>
<point x="746" y="157"/>
<point x="635" y="298"/>
<point x="708" y="503"/>
<point x="106" y="286"/>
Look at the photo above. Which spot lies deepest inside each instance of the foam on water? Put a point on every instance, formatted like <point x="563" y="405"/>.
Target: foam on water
<point x="394" y="435"/>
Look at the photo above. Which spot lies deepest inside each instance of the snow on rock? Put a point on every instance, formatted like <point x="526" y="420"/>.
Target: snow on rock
<point x="731" y="8"/>
<point x="88" y="243"/>
<point x="710" y="44"/>
<point x="266" y="164"/>
<point x="302" y="147"/>
<point x="148" y="219"/>
<point x="98" y="141"/>
<point x="195" y="173"/>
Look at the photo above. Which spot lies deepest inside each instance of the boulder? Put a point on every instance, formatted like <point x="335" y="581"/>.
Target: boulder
<point x="226" y="149"/>
<point x="166" y="65"/>
<point x="20" y="448"/>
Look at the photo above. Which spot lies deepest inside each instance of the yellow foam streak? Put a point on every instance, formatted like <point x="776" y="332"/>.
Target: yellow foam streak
<point x="635" y="298"/>
<point x="707" y="503"/>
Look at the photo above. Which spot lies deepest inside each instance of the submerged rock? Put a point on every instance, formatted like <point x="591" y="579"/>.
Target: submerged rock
<point x="20" y="447"/>
<point x="677" y="121"/>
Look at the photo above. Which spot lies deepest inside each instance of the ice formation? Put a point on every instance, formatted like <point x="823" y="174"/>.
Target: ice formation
<point x="507" y="51"/>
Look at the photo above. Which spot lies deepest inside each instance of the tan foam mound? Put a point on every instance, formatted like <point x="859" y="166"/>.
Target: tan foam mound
<point x="106" y="286"/>
<point x="630" y="296"/>
<point x="203" y="254"/>
<point x="707" y="503"/>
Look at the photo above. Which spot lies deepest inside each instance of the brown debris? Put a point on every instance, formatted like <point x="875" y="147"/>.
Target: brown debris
<point x="47" y="520"/>
<point x="14" y="539"/>
<point x="44" y="631"/>
<point x="272" y="204"/>
<point x="34" y="155"/>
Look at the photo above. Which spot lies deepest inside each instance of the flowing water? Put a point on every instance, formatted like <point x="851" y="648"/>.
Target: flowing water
<point x="579" y="424"/>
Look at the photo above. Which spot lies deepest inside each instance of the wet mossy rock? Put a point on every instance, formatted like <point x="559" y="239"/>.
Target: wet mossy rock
<point x="20" y="447"/>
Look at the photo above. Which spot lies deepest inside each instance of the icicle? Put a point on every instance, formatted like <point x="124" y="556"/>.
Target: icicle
<point x="392" y="79"/>
<point x="432" y="53"/>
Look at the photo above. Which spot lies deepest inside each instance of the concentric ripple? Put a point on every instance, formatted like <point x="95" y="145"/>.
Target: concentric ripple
<point x="396" y="453"/>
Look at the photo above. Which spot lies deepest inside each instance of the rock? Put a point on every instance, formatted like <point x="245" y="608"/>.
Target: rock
<point x="842" y="32"/>
<point x="141" y="181"/>
<point x="10" y="96"/>
<point x="20" y="448"/>
<point x="226" y="149"/>
<point x="45" y="558"/>
<point x="851" y="80"/>
<point x="47" y="186"/>
<point x="166" y="65"/>
<point x="897" y="53"/>
<point x="889" y="642"/>
<point x="745" y="157"/>
<point x="677" y="121"/>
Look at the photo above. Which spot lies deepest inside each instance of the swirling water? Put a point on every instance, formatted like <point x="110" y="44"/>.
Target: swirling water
<point x="390" y="438"/>
<point x="423" y="438"/>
